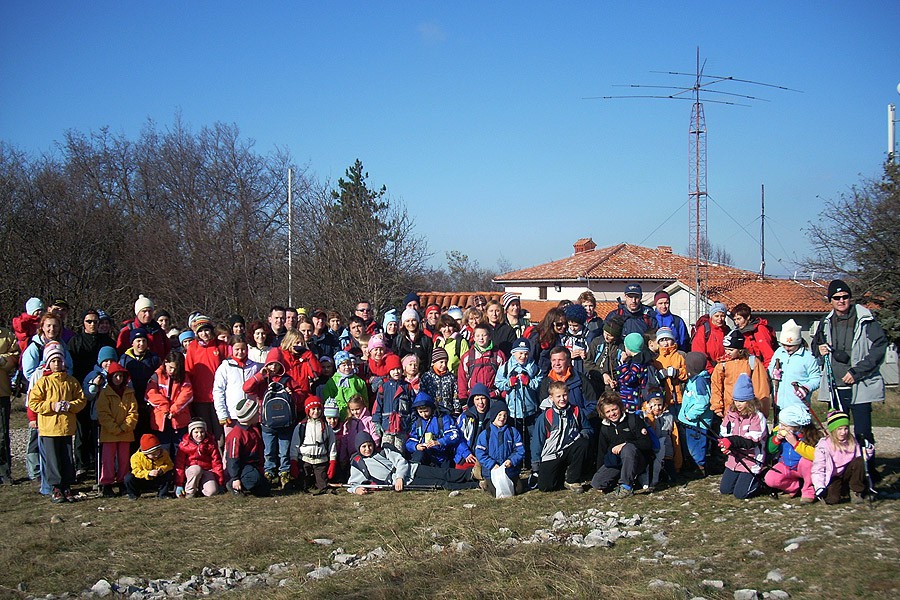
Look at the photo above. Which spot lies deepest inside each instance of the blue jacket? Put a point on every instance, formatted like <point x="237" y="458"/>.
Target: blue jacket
<point x="695" y="409"/>
<point x="470" y="425"/>
<point x="393" y="397"/>
<point x="678" y="327"/>
<point x="523" y="400"/>
<point x="555" y="430"/>
<point x="640" y="322"/>
<point x="443" y="429"/>
<point x="496" y="445"/>
<point x="141" y="370"/>
<point x="802" y="367"/>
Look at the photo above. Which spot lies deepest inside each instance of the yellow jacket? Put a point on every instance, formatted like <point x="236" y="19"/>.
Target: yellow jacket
<point x="9" y="360"/>
<point x="47" y="391"/>
<point x="141" y="465"/>
<point x="117" y="415"/>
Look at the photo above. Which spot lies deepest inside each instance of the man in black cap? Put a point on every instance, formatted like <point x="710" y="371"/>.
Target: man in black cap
<point x="636" y="317"/>
<point x="853" y="341"/>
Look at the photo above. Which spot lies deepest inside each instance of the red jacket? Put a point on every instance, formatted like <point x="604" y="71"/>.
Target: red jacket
<point x="201" y="363"/>
<point x="159" y="343"/>
<point x="713" y="348"/>
<point x="205" y="454"/>
<point x="25" y="326"/>
<point x="169" y="397"/>
<point x="243" y="447"/>
<point x="759" y="340"/>
<point x="303" y="369"/>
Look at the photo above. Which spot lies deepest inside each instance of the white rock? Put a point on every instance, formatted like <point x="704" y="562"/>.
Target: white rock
<point x="797" y="540"/>
<point x="558" y="516"/>
<point x="323" y="541"/>
<point x="661" y="538"/>
<point x="774" y="575"/>
<point x="285" y="582"/>
<point x="56" y="519"/>
<point x="756" y="553"/>
<point x="469" y="506"/>
<point x="656" y="584"/>
<point x="102" y="588"/>
<point x="510" y="541"/>
<point x="345" y="559"/>
<point x="437" y="548"/>
<point x="776" y="595"/>
<point x="453" y="494"/>
<point x="87" y="524"/>
<point x="464" y="547"/>
<point x="597" y="538"/>
<point x="320" y="573"/>
<point x="698" y="598"/>
<point x="713" y="583"/>
<point x="746" y="594"/>
<point x="791" y="547"/>
<point x="719" y="520"/>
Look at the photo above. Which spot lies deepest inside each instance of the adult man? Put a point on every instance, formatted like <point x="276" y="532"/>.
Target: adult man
<point x="290" y="318"/>
<point x="364" y="311"/>
<point x="156" y="337"/>
<point x="665" y="318"/>
<point x="411" y="300"/>
<point x="84" y="348"/>
<point x="276" y="325"/>
<point x="9" y="362"/>
<point x="512" y="306"/>
<point x="636" y="318"/>
<point x="321" y="341"/>
<point x="432" y="316"/>
<point x="580" y="391"/>
<point x="853" y="341"/>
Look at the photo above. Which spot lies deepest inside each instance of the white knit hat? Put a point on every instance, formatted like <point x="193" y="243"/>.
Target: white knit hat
<point x="790" y="334"/>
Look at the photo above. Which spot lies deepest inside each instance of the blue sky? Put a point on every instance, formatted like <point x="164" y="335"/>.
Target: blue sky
<point x="473" y="114"/>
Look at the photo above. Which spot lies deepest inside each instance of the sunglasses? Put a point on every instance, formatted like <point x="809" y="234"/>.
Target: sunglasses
<point x="560" y="324"/>
<point x="89" y="321"/>
<point x="841" y="298"/>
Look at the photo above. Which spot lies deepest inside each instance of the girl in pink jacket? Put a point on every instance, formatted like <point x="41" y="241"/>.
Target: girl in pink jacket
<point x="838" y="467"/>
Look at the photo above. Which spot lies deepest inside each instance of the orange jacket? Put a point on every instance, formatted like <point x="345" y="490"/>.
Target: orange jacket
<point x="725" y="375"/>
<point x="169" y="397"/>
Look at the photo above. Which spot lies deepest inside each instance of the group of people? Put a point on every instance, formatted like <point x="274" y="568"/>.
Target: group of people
<point x="450" y="397"/>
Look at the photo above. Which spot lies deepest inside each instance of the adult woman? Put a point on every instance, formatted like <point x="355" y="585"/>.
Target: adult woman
<point x="759" y="339"/>
<point x="49" y="330"/>
<point x="411" y="340"/>
<point x="709" y="335"/>
<point x="258" y="348"/>
<point x="502" y="335"/>
<point x="299" y="362"/>
<point x="550" y="332"/>
<point x="472" y="317"/>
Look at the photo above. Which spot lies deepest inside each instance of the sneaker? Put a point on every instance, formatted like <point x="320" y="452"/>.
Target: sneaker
<point x="284" y="478"/>
<point x="56" y="496"/>
<point x="806" y="500"/>
<point x="857" y="498"/>
<point x="575" y="487"/>
<point x="107" y="492"/>
<point x="483" y="485"/>
<point x="272" y="477"/>
<point x="69" y="495"/>
<point x="622" y="492"/>
<point x="532" y="481"/>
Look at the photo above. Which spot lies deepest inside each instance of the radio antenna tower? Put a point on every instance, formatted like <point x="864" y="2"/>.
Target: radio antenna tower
<point x="697" y="94"/>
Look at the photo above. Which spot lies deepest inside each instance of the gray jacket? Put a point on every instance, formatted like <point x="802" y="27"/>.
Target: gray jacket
<point x="866" y="356"/>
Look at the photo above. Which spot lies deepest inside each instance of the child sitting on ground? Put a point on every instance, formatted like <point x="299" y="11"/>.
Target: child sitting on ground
<point x="244" y="452"/>
<point x="794" y="442"/>
<point x="500" y="452"/>
<point x="393" y="406"/>
<point x="695" y="413"/>
<point x="560" y="442"/>
<point x="117" y="414"/>
<point x="838" y="467"/>
<point x="624" y="448"/>
<point x="151" y="469"/>
<point x="313" y="449"/>
<point x="742" y="440"/>
<point x="470" y="425"/>
<point x="370" y="471"/>
<point x="432" y="435"/>
<point x="359" y="420"/>
<point x="198" y="464"/>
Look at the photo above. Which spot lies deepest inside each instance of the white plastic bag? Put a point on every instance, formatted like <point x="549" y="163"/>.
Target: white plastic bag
<point x="502" y="483"/>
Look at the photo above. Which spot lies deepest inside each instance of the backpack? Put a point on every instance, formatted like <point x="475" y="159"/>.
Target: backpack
<point x="549" y="416"/>
<point x="707" y="328"/>
<point x="485" y="361"/>
<point x="277" y="407"/>
<point x="645" y="315"/>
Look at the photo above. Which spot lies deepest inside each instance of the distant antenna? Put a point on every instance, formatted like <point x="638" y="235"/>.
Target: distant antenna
<point x="698" y="242"/>
<point x="762" y="232"/>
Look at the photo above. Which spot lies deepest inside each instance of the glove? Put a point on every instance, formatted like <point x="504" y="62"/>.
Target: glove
<point x="777" y="374"/>
<point x="725" y="445"/>
<point x="513" y="380"/>
<point x="179" y="492"/>
<point x="295" y="470"/>
<point x="524" y="379"/>
<point x="801" y="391"/>
<point x="671" y="372"/>
<point x="379" y="430"/>
<point x="332" y="469"/>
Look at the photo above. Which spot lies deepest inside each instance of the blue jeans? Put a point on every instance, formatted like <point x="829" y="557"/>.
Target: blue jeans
<point x="742" y="485"/>
<point x="696" y="444"/>
<point x="277" y="444"/>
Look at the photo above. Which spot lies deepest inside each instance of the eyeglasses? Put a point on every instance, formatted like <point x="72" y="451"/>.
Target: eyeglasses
<point x="90" y="321"/>
<point x="841" y="298"/>
<point x="363" y="310"/>
<point x="560" y="324"/>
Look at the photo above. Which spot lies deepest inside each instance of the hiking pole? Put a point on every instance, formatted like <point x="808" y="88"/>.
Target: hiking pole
<point x="832" y="384"/>
<point x="712" y="436"/>
<point x="863" y="447"/>
<point x="808" y="405"/>
<point x="776" y="383"/>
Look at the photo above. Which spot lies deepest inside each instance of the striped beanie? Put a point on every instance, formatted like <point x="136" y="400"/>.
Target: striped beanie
<point x="836" y="419"/>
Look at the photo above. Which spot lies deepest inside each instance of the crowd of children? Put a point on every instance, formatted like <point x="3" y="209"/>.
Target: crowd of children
<point x="454" y="400"/>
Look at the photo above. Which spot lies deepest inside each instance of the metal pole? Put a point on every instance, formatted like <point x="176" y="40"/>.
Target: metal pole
<point x="290" y="239"/>
<point x="762" y="233"/>
<point x="892" y="156"/>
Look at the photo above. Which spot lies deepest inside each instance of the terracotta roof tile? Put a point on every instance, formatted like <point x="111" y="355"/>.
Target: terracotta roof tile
<point x="775" y="295"/>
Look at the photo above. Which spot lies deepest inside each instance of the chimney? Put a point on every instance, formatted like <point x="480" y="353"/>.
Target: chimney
<point x="584" y="245"/>
<point x="665" y="249"/>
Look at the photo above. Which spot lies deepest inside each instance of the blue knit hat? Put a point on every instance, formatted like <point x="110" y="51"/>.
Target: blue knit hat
<point x="185" y="336"/>
<point x="576" y="313"/>
<point x="423" y="399"/>
<point x="794" y="415"/>
<point x="634" y="342"/>
<point x="717" y="307"/>
<point x="743" y="389"/>
<point x="390" y="316"/>
<point x="107" y="353"/>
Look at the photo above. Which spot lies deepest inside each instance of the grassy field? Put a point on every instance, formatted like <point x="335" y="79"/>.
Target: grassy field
<point x="851" y="551"/>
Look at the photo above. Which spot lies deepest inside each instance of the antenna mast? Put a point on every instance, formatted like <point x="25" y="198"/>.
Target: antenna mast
<point x="762" y="232"/>
<point x="290" y="239"/>
<point x="697" y="191"/>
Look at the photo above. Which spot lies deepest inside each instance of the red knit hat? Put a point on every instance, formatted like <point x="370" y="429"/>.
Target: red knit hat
<point x="149" y="443"/>
<point x="312" y="402"/>
<point x="391" y="362"/>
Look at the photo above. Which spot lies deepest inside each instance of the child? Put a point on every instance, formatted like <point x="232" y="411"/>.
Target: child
<point x="470" y="425"/>
<point x="392" y="406"/>
<point x="794" y="442"/>
<point x="695" y="412"/>
<point x="141" y="363"/>
<point x="624" y="448"/>
<point x="313" y="448"/>
<point x="661" y="424"/>
<point x="244" y="452"/>
<point x="151" y="469"/>
<point x="359" y="420"/>
<point x="432" y="435"/>
<point x="198" y="464"/>
<point x="743" y="435"/>
<point x="333" y="419"/>
<point x="117" y="414"/>
<point x="838" y="466"/>
<point x="670" y="365"/>
<point x="389" y="468"/>
<point x="452" y="341"/>
<point x="228" y="383"/>
<point x="500" y="447"/>
<point x="575" y="336"/>
<point x="634" y="375"/>
<point x="605" y="353"/>
<point x="560" y="443"/>
<point x="184" y="340"/>
<point x="519" y="381"/>
<point x="345" y="383"/>
<point x="480" y="364"/>
<point x="170" y="393"/>
<point x="378" y="351"/>
<point x="328" y="371"/>
<point x="410" y="364"/>
<point x="55" y="398"/>
<point x="440" y="383"/>
<point x="725" y="375"/>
